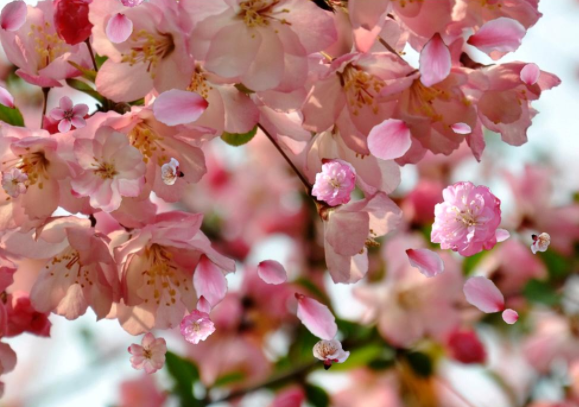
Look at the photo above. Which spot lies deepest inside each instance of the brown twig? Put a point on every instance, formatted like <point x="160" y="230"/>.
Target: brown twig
<point x="94" y="64"/>
<point x="44" y="105"/>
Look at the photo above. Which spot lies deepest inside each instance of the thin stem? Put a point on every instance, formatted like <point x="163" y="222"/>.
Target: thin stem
<point x="44" y="105"/>
<point x="291" y="164"/>
<point x="94" y="64"/>
<point x="389" y="48"/>
<point x="277" y="380"/>
<point x="455" y="392"/>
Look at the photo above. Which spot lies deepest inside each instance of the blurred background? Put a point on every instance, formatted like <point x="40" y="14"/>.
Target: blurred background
<point x="84" y="362"/>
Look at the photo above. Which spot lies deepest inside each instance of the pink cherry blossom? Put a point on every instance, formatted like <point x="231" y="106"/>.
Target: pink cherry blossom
<point x="428" y="262"/>
<point x="435" y="61"/>
<point x="179" y="107"/>
<point x="498" y="37"/>
<point x="13" y="15"/>
<point x="149" y="355"/>
<point x="540" y="243"/>
<point x="22" y="317"/>
<point x="335" y="182"/>
<point x="119" y="28"/>
<point x="6" y="98"/>
<point x="467" y="220"/>
<point x="484" y="294"/>
<point x="196" y="327"/>
<point x="14" y="182"/>
<point x="510" y="316"/>
<point x="330" y="351"/>
<point x="170" y="172"/>
<point x="271" y="272"/>
<point x="316" y="317"/>
<point x="69" y="115"/>
<point x="110" y="169"/>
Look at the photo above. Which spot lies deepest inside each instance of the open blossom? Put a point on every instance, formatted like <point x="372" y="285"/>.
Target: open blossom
<point x="468" y="219"/>
<point x="110" y="169"/>
<point x="335" y="183"/>
<point x="14" y="182"/>
<point x="541" y="243"/>
<point x="69" y="115"/>
<point x="196" y="327"/>
<point x="150" y="354"/>
<point x="170" y="172"/>
<point x="330" y="352"/>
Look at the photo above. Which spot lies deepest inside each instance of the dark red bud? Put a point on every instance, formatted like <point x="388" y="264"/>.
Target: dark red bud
<point x="465" y="347"/>
<point x="71" y="20"/>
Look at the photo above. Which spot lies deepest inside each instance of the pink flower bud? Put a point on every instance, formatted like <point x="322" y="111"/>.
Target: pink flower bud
<point x="466" y="347"/>
<point x="335" y="183"/>
<point x="71" y="20"/>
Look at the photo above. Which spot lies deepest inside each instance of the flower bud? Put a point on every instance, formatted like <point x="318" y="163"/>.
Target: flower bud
<point x="71" y="20"/>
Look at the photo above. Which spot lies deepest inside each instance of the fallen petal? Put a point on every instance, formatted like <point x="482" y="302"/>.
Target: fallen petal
<point x="435" y="61"/>
<point x="209" y="281"/>
<point x="498" y="37"/>
<point x="119" y="28"/>
<point x="501" y="235"/>
<point x="316" y="317"/>
<point x="510" y="316"/>
<point x="271" y="272"/>
<point x="530" y="74"/>
<point x="13" y="15"/>
<point x="484" y="294"/>
<point x="6" y="98"/>
<point x="461" y="128"/>
<point x="426" y="261"/>
<point x="178" y="107"/>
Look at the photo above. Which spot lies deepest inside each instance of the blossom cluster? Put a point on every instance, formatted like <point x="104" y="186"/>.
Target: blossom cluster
<point x="125" y="207"/>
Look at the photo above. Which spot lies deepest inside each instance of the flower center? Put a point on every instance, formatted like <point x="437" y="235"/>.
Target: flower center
<point x="325" y="348"/>
<point x="466" y="217"/>
<point x="62" y="264"/>
<point x="144" y="138"/>
<point x="420" y="100"/>
<point x="260" y="13"/>
<point x="162" y="277"/>
<point x="47" y="46"/>
<point x="361" y="88"/>
<point x="149" y="49"/>
<point x="105" y="170"/>
<point x="199" y="83"/>
<point x="34" y="165"/>
<point x="68" y="114"/>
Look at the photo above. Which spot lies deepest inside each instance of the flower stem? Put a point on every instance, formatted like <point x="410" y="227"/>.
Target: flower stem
<point x="94" y="64"/>
<point x="44" y="105"/>
<point x="389" y="48"/>
<point x="291" y="164"/>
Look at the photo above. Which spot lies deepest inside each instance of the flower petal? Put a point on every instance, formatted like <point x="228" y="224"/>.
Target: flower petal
<point x="530" y="74"/>
<point x="426" y="261"/>
<point x="461" y="128"/>
<point x="6" y="98"/>
<point x="510" y="316"/>
<point x="65" y="103"/>
<point x="80" y="110"/>
<point x="316" y="317"/>
<point x="390" y="139"/>
<point x="203" y="305"/>
<point x="484" y="294"/>
<point x="178" y="107"/>
<point x="501" y="235"/>
<point x="498" y="37"/>
<point x="271" y="272"/>
<point x="435" y="61"/>
<point x="119" y="28"/>
<point x="13" y="15"/>
<point x="209" y="281"/>
<point x="64" y="126"/>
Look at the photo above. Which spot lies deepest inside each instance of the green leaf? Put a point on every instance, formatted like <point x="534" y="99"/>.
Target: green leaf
<point x="88" y="74"/>
<point x="541" y="292"/>
<point x="85" y="88"/>
<point x="469" y="264"/>
<point x="100" y="60"/>
<point x="420" y="363"/>
<point x="236" y="139"/>
<point x="300" y="351"/>
<point x="557" y="266"/>
<point x="313" y="289"/>
<point x="184" y="374"/>
<point x="359" y="357"/>
<point x="243" y="89"/>
<point x="317" y="396"/>
<point x="229" y="378"/>
<point x="11" y="116"/>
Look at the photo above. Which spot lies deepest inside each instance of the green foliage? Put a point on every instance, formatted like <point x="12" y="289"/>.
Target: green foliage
<point x="11" y="116"/>
<point x="184" y="374"/>
<point x="469" y="264"/>
<point x="420" y="363"/>
<point x="238" y="139"/>
<point x="301" y="350"/>
<point x="229" y="378"/>
<point x="100" y="60"/>
<point x="557" y="266"/>
<point x="362" y="356"/>
<point x="317" y="396"/>
<point x="85" y="88"/>
<point x="541" y="292"/>
<point x="88" y="74"/>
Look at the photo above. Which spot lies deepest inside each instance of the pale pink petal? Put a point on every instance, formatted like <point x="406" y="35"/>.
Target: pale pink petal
<point x="65" y="103"/>
<point x="80" y="110"/>
<point x="78" y="122"/>
<point x="178" y="107"/>
<point x="461" y="128"/>
<point x="131" y="3"/>
<point x="57" y="113"/>
<point x="64" y="126"/>
<point x="484" y="294"/>
<point x="203" y="305"/>
<point x="6" y="98"/>
<point x="271" y="272"/>
<point x="435" y="61"/>
<point x="316" y="317"/>
<point x="390" y="139"/>
<point x="426" y="261"/>
<point x="510" y="316"/>
<point x="347" y="231"/>
<point x="499" y="36"/>
<point x="530" y="74"/>
<point x="13" y="15"/>
<point x="501" y="235"/>
<point x="119" y="28"/>
<point x="147" y="340"/>
<point x="209" y="281"/>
